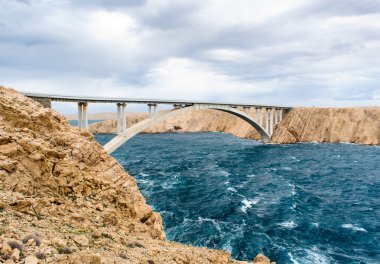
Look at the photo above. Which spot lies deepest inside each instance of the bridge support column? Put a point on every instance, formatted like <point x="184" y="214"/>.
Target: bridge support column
<point x="271" y="122"/>
<point x="85" y="116"/>
<point x="267" y="120"/>
<point x="260" y="111"/>
<point x="275" y="116"/>
<point x="256" y="115"/>
<point x="280" y="114"/>
<point x="154" y="108"/>
<point x="118" y="118"/>
<point x="123" y="117"/>
<point x="82" y="115"/>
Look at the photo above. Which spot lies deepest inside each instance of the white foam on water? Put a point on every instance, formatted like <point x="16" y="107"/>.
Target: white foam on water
<point x="354" y="227"/>
<point x="315" y="224"/>
<point x="213" y="221"/>
<point x="227" y="247"/>
<point x="167" y="185"/>
<point x="231" y="189"/>
<point x="292" y="259"/>
<point x="293" y="188"/>
<point x="224" y="173"/>
<point x="143" y="174"/>
<point x="288" y="224"/>
<point x="251" y="176"/>
<point x="294" y="158"/>
<point x="247" y="204"/>
<point x="313" y="256"/>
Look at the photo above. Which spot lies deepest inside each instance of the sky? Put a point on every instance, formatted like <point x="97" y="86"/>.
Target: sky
<point x="277" y="52"/>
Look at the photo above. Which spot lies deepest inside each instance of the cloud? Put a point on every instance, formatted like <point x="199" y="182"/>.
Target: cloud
<point x="288" y="52"/>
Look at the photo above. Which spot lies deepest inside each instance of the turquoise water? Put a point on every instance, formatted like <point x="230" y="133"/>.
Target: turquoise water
<point x="302" y="203"/>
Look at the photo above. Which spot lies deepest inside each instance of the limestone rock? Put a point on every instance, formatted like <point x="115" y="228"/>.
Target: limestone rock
<point x="81" y="240"/>
<point x="6" y="249"/>
<point x="15" y="254"/>
<point x="31" y="260"/>
<point x="261" y="259"/>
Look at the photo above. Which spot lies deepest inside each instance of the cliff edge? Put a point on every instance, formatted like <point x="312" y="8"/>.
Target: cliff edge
<point x="64" y="200"/>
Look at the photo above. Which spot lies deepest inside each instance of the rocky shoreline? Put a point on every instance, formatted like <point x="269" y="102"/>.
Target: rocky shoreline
<point x="359" y="125"/>
<point x="64" y="200"/>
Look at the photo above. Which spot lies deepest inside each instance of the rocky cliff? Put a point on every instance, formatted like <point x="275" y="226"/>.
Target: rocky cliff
<point x="356" y="125"/>
<point x="64" y="200"/>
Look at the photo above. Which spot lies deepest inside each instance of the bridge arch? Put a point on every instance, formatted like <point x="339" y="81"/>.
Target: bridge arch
<point x="120" y="139"/>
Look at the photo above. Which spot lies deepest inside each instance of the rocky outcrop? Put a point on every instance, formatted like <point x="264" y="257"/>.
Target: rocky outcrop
<point x="64" y="200"/>
<point x="356" y="125"/>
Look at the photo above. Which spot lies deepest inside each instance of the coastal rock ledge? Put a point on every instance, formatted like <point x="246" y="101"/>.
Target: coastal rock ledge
<point x="64" y="200"/>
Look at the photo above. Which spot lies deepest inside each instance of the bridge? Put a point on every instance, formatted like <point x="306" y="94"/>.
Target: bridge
<point x="264" y="119"/>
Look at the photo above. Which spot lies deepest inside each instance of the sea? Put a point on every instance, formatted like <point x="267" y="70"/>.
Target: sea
<point x="298" y="203"/>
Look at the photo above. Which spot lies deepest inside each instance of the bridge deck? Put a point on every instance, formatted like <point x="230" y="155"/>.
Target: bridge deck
<point x="92" y="99"/>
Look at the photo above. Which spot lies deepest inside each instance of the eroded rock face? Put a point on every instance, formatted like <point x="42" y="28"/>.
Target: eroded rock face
<point x="64" y="200"/>
<point x="355" y="125"/>
<point x="55" y="168"/>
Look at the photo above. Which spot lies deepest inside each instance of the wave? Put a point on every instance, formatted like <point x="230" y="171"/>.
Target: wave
<point x="315" y="225"/>
<point x="311" y="256"/>
<point x="288" y="224"/>
<point x="213" y="221"/>
<point x="231" y="189"/>
<point x="354" y="227"/>
<point x="293" y="189"/>
<point x="294" y="158"/>
<point x="247" y="204"/>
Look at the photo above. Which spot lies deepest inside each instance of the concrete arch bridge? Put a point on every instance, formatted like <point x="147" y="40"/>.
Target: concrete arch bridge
<point x="272" y="114"/>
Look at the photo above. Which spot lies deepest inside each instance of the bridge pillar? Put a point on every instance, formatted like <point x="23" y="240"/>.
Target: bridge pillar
<point x="260" y="111"/>
<point x="271" y="122"/>
<point x="123" y="117"/>
<point x="267" y="119"/>
<point x="154" y="108"/>
<point x="85" y="116"/>
<point x="275" y="116"/>
<point x="280" y="115"/>
<point x="82" y="115"/>
<point x="118" y="105"/>
<point x="256" y="115"/>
